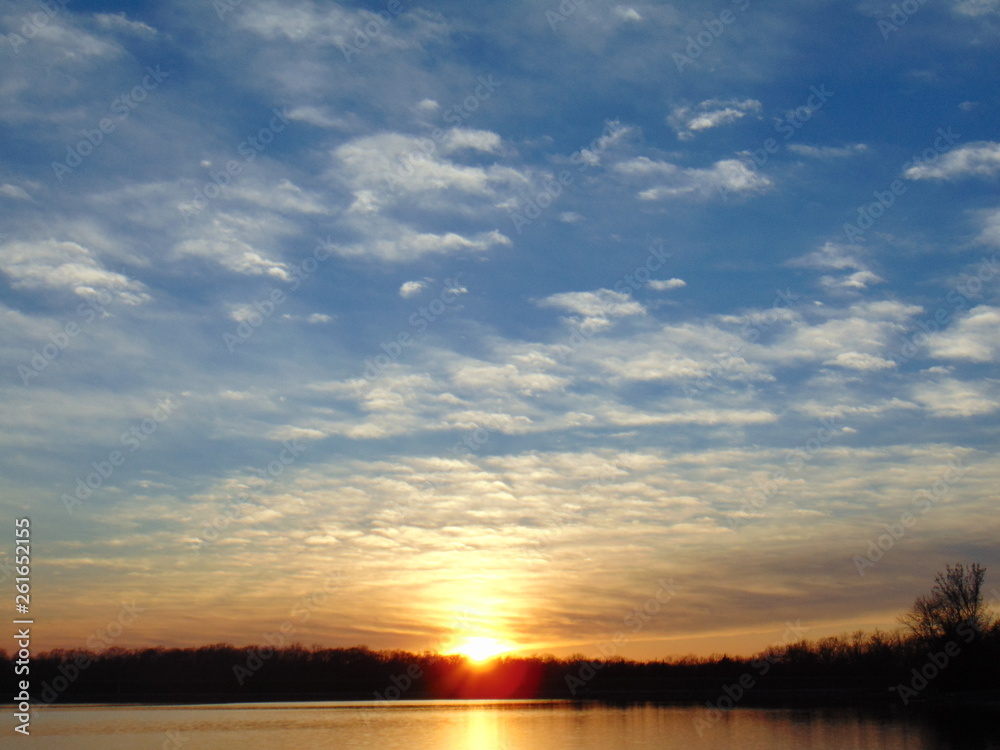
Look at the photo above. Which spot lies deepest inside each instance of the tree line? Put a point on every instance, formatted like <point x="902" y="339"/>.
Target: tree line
<point x="948" y="645"/>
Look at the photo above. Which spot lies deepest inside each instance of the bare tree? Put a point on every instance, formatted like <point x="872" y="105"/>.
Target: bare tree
<point x="955" y="600"/>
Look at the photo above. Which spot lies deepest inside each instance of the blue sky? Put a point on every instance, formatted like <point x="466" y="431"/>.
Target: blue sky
<point x="498" y="314"/>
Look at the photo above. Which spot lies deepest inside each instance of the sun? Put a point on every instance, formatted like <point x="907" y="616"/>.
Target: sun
<point x="480" y="648"/>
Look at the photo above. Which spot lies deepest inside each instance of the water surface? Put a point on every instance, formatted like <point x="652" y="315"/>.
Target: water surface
<point x="504" y="725"/>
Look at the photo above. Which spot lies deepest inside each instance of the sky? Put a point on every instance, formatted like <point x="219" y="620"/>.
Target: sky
<point x="546" y="323"/>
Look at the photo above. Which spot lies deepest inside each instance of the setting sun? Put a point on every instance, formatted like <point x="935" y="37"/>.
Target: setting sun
<point x="481" y="649"/>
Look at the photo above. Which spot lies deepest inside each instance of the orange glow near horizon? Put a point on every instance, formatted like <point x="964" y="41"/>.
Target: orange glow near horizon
<point x="480" y="649"/>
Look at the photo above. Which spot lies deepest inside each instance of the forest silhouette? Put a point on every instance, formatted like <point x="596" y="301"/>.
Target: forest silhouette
<point x="947" y="648"/>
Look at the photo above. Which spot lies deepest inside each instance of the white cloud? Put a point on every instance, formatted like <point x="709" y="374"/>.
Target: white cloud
<point x="233" y="241"/>
<point x="990" y="234"/>
<point x="858" y="280"/>
<point x="503" y="378"/>
<point x="729" y="175"/>
<point x="118" y="22"/>
<point x="628" y="14"/>
<point x="477" y="140"/>
<point x="15" y="192"/>
<point x="412" y="288"/>
<point x="831" y="255"/>
<point x="392" y="168"/>
<point x="828" y="152"/>
<point x="862" y="329"/>
<point x="662" y="286"/>
<point x="974" y="337"/>
<point x="839" y="258"/>
<point x="859" y="361"/>
<point x="394" y="242"/>
<point x="65" y="266"/>
<point x="596" y="309"/>
<point x="284" y="197"/>
<point x="712" y="113"/>
<point x="979" y="159"/>
<point x="614" y="132"/>
<point x="977" y="7"/>
<point x="949" y="397"/>
<point x="321" y="117"/>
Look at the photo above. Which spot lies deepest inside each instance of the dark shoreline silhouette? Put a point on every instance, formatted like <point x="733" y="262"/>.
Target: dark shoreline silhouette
<point x="875" y="668"/>
<point x="949" y="652"/>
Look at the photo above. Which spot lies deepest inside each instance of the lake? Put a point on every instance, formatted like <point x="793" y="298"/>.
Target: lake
<point x="504" y="725"/>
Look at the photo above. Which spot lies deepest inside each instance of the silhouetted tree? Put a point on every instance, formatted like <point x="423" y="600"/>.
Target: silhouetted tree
<point x="955" y="600"/>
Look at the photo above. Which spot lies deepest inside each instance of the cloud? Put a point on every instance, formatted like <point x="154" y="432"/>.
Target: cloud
<point x="990" y="234"/>
<point x="949" y="397"/>
<point x="68" y="267"/>
<point x="726" y="176"/>
<point x="321" y="117"/>
<point x="613" y="134"/>
<point x="662" y="286"/>
<point x="15" y="192"/>
<point x="839" y="258"/>
<point x="973" y="337"/>
<point x="595" y="309"/>
<point x="505" y="378"/>
<point x="977" y="8"/>
<point x="390" y="241"/>
<point x="828" y="152"/>
<point x="712" y="113"/>
<point x="859" y="280"/>
<point x="979" y="159"/>
<point x="858" y="361"/>
<point x="628" y="14"/>
<point x="412" y="288"/>
<point x="118" y="22"/>
<point x="392" y="169"/>
<point x="234" y="241"/>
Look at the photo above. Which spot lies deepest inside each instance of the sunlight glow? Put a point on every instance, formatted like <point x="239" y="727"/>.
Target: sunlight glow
<point x="481" y="649"/>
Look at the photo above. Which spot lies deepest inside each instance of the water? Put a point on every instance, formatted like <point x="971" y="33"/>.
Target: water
<point x="503" y="725"/>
